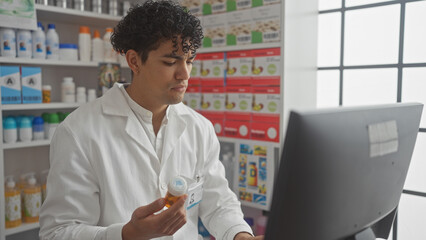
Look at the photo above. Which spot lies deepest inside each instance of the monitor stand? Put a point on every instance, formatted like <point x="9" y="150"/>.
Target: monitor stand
<point x="366" y="234"/>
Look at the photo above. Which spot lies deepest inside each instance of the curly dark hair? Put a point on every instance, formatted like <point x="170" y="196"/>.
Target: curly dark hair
<point x="146" y="26"/>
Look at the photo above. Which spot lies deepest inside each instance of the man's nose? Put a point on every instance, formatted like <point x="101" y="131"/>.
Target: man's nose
<point x="183" y="71"/>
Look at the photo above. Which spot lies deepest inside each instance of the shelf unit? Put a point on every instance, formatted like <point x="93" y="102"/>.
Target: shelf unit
<point x="67" y="21"/>
<point x="298" y="75"/>
<point x="75" y="16"/>
<point x="24" y="227"/>
<point x="50" y="62"/>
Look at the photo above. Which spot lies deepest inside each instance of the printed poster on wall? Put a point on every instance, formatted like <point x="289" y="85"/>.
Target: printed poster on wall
<point x="255" y="177"/>
<point x="18" y="14"/>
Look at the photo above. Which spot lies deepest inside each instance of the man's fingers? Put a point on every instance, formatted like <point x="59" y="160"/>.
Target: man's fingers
<point x="149" y="209"/>
<point x="175" y="226"/>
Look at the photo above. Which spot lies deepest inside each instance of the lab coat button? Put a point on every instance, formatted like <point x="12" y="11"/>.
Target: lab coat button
<point x="163" y="186"/>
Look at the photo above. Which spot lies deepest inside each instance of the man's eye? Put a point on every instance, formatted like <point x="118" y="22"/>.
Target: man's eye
<point x="169" y="63"/>
<point x="190" y="62"/>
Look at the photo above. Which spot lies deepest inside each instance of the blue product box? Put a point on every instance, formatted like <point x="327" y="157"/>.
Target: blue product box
<point x="31" y="84"/>
<point x="10" y="85"/>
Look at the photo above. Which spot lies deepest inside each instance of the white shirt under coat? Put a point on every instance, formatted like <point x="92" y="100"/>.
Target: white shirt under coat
<point x="103" y="166"/>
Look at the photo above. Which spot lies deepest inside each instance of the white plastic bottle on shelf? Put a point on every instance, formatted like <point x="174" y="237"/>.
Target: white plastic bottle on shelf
<point x="32" y="200"/>
<point x="91" y="94"/>
<point x="12" y="203"/>
<point x="53" y="124"/>
<point x="52" y="42"/>
<point x="24" y="44"/>
<point x="84" y="43"/>
<point x="38" y="128"/>
<point x="81" y="95"/>
<point x="39" y="42"/>
<point x="122" y="60"/>
<point x="25" y="130"/>
<point x="10" y="130"/>
<point x="97" y="47"/>
<point x="68" y="90"/>
<point x="8" y="42"/>
<point x="109" y="54"/>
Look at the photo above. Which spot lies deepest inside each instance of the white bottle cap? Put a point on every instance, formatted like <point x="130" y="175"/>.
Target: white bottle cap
<point x="68" y="79"/>
<point x="47" y="87"/>
<point x="81" y="89"/>
<point x="32" y="181"/>
<point x="10" y="183"/>
<point x="177" y="186"/>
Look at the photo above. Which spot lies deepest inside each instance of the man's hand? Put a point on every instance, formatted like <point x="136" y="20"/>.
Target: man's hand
<point x="246" y="236"/>
<point x="145" y="225"/>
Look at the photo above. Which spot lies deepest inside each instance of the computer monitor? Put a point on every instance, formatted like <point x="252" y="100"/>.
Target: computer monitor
<point x="342" y="172"/>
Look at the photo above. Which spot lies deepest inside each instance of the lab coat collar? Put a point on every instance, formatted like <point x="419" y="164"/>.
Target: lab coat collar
<point x="114" y="103"/>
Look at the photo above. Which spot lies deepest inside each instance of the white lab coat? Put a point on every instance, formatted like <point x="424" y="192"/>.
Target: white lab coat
<point x="103" y="167"/>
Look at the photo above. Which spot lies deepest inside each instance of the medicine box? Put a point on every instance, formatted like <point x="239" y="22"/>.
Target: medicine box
<point x="213" y="99"/>
<point x="10" y="85"/>
<point x="239" y="65"/>
<point x="267" y="25"/>
<point x="212" y="68"/>
<point x="266" y="100"/>
<point x="266" y="66"/>
<point x="239" y="99"/>
<point x="233" y="5"/>
<point x="31" y="84"/>
<point x="239" y="28"/>
<point x="263" y="131"/>
<point x="237" y="129"/>
<point x="214" y="28"/>
<point x="214" y="6"/>
<point x="192" y="97"/>
<point x="195" y="75"/>
<point x="216" y="118"/>
<point x="194" y="6"/>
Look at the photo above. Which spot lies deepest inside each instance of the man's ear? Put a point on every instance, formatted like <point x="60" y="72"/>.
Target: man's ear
<point x="134" y="61"/>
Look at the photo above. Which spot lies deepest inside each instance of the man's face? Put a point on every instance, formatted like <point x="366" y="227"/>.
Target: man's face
<point x="165" y="75"/>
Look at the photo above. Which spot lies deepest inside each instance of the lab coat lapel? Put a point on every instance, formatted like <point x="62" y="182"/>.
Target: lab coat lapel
<point x="138" y="134"/>
<point x="114" y="103"/>
<point x="174" y="130"/>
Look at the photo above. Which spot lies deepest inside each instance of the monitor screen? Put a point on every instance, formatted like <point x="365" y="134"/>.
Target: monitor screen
<point x="342" y="172"/>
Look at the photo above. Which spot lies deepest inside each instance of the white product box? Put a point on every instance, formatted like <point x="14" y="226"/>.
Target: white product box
<point x="195" y="75"/>
<point x="239" y="66"/>
<point x="212" y="68"/>
<point x="266" y="66"/>
<point x="239" y="28"/>
<point x="214" y="27"/>
<point x="192" y="97"/>
<point x="236" y="5"/>
<point x="268" y="2"/>
<point x="267" y="26"/>
<point x="31" y="84"/>
<point x="239" y="99"/>
<point x="10" y="85"/>
<point x="266" y="100"/>
<point x="213" y="99"/>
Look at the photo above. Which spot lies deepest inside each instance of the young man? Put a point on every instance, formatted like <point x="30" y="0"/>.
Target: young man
<point x="111" y="159"/>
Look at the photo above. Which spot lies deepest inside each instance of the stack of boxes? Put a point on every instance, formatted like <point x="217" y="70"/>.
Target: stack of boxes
<point x="212" y="74"/>
<point x="20" y="84"/>
<point x="239" y="92"/>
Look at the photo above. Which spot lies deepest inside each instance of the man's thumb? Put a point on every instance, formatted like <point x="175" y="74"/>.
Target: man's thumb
<point x="150" y="209"/>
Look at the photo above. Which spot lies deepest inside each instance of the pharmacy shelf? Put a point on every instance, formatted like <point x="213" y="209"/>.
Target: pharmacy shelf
<point x="38" y="143"/>
<point x="75" y="16"/>
<point x="37" y="106"/>
<point x="24" y="227"/>
<point x="50" y="62"/>
<point x="240" y="47"/>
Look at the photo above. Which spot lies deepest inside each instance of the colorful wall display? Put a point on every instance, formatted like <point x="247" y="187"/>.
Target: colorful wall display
<point x="255" y="165"/>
